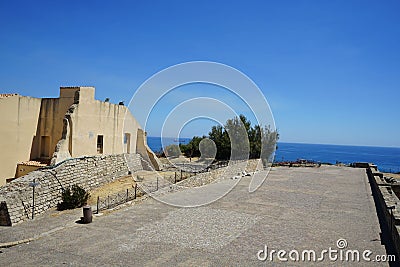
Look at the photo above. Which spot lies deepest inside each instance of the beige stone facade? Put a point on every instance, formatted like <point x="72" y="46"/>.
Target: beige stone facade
<point x="50" y="130"/>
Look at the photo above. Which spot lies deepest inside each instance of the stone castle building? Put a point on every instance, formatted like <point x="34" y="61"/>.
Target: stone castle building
<point x="36" y="132"/>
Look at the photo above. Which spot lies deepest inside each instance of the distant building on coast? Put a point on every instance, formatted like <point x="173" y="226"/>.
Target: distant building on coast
<point x="36" y="132"/>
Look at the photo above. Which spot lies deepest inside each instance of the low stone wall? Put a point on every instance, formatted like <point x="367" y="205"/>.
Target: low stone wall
<point x="88" y="172"/>
<point x="387" y="204"/>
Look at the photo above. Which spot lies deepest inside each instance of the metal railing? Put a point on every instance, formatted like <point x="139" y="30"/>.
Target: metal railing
<point x="121" y="197"/>
<point x="116" y="199"/>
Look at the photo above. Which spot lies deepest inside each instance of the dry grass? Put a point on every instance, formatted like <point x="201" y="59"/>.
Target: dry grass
<point x="115" y="186"/>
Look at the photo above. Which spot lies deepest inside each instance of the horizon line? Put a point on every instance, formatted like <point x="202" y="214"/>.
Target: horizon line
<point x="301" y="143"/>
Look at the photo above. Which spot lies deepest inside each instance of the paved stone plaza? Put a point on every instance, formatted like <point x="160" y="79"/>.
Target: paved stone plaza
<point x="295" y="209"/>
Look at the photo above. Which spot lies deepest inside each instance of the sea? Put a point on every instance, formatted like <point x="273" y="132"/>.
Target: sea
<point x="386" y="158"/>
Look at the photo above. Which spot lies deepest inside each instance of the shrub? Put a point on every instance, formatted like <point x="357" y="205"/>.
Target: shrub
<point x="73" y="197"/>
<point x="172" y="151"/>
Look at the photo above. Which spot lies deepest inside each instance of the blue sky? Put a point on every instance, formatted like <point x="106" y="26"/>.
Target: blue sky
<point x="330" y="70"/>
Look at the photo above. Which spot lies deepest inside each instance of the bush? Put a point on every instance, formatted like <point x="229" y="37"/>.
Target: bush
<point x="172" y="151"/>
<point x="74" y="197"/>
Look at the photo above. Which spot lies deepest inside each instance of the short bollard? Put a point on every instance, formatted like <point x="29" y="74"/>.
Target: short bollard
<point x="87" y="214"/>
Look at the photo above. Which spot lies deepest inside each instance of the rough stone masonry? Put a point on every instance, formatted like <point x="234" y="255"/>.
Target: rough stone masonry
<point x="89" y="172"/>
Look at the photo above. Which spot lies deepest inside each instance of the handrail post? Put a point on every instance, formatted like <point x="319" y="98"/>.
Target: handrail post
<point x="135" y="190"/>
<point x="98" y="204"/>
<point x="33" y="199"/>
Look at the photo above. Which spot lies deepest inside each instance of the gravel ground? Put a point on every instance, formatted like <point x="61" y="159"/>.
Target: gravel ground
<point x="193" y="229"/>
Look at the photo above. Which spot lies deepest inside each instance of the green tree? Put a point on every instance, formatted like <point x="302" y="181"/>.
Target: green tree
<point x="191" y="149"/>
<point x="172" y="151"/>
<point x="207" y="149"/>
<point x="255" y="141"/>
<point x="269" y="145"/>
<point x="238" y="139"/>
<point x="238" y="136"/>
<point x="222" y="142"/>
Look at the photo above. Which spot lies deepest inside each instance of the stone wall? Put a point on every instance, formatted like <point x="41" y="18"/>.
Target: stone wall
<point x="387" y="205"/>
<point x="88" y="172"/>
